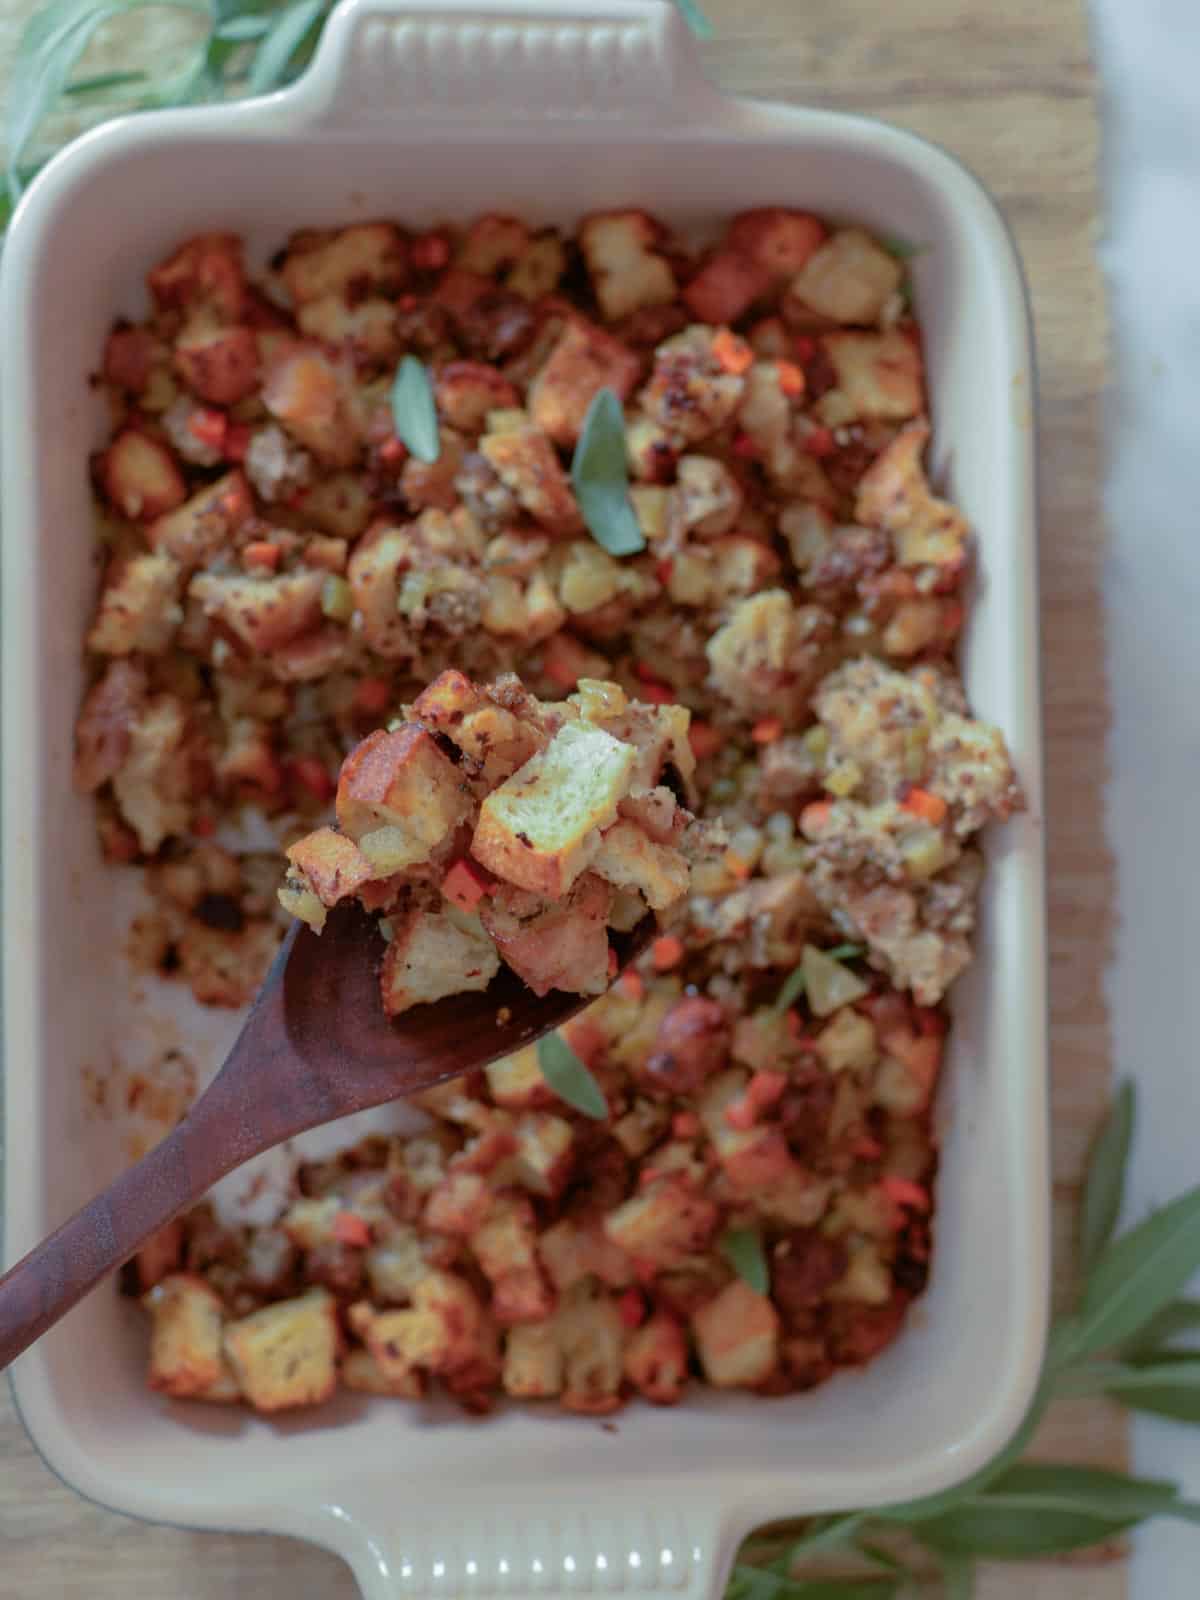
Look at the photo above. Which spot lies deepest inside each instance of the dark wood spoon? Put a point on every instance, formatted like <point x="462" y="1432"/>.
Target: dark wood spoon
<point x="316" y="1046"/>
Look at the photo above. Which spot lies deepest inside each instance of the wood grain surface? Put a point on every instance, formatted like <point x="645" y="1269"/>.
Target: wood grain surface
<point x="1011" y="91"/>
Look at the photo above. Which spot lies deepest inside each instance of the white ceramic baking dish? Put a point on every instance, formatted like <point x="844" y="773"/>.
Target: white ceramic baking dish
<point x="423" y="109"/>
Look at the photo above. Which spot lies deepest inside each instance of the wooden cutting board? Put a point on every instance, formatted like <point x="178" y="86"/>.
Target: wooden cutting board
<point x="1011" y="91"/>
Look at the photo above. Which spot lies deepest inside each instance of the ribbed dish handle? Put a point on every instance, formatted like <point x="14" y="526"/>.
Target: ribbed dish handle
<point x="485" y="1548"/>
<point x="500" y="62"/>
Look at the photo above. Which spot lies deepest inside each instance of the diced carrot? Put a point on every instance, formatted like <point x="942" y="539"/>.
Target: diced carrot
<point x="685" y="1125"/>
<point x="372" y="696"/>
<point x="237" y="441"/>
<point x="767" y="730"/>
<point x="929" y="807"/>
<point x="658" y="694"/>
<point x="632" y="1309"/>
<point x="466" y="884"/>
<point x="704" y="740"/>
<point x="263" y="554"/>
<point x="632" y="984"/>
<point x="664" y="570"/>
<point x="349" y="1228"/>
<point x="209" y="426"/>
<point x="819" y="442"/>
<point x="905" y="1192"/>
<point x="730" y="352"/>
<point x="645" y="672"/>
<point x="311" y="775"/>
<point x="791" y="378"/>
<point x="734" y="865"/>
<point x="666" y="952"/>
<point x="814" y="817"/>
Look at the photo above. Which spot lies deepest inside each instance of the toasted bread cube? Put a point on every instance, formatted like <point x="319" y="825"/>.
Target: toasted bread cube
<point x="467" y="390"/>
<point x="849" y="279"/>
<point x="265" y="612"/>
<point x="309" y="1222"/>
<point x="492" y="243"/>
<point x="625" y="270"/>
<point x="656" y="1360"/>
<point x="432" y="956"/>
<point x="311" y="395"/>
<point x="401" y="780"/>
<point x="367" y="327"/>
<point x="572" y="1251"/>
<point x="737" y="1337"/>
<point x="866" y="1279"/>
<point x="153" y="783"/>
<point x="706" y="500"/>
<point x="328" y="865"/>
<point x="663" y="1224"/>
<point x="545" y="1152"/>
<point x="516" y="1082"/>
<point x="631" y="860"/>
<point x="524" y="460"/>
<point x="185" y="1336"/>
<point x="286" y="1354"/>
<point x="533" y="1361"/>
<point x="443" y="1330"/>
<point x="592" y="1338"/>
<point x="781" y="241"/>
<point x="374" y="573"/>
<point x="131" y="358"/>
<point x="506" y="1240"/>
<point x="539" y="267"/>
<point x="584" y="361"/>
<point x="340" y="504"/>
<point x="367" y="256"/>
<point x="879" y="378"/>
<point x="139" y="607"/>
<point x="726" y="286"/>
<point x="539" y="830"/>
<point x="395" y="1267"/>
<point x="361" y="1371"/>
<point x="205" y="524"/>
<point x="205" y="272"/>
<point x="459" y="1204"/>
<point x="894" y="494"/>
<point x="218" y="364"/>
<point x="225" y="969"/>
<point x="140" y="477"/>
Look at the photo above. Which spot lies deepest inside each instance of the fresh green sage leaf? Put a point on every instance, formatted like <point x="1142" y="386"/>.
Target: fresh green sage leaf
<point x="846" y="952"/>
<point x="1104" y="1185"/>
<point x="695" y="19"/>
<point x="958" y="1577"/>
<point x="1164" y="1388"/>
<point x="242" y="30"/>
<point x="414" y="413"/>
<point x="288" y="32"/>
<point x="769" y="1586"/>
<point x="102" y="81"/>
<point x="1174" y="1320"/>
<point x="791" y="990"/>
<point x="1138" y="1275"/>
<point x="743" y="1249"/>
<point x="600" y="477"/>
<point x="901" y="249"/>
<point x="1039" y="1510"/>
<point x="571" y="1081"/>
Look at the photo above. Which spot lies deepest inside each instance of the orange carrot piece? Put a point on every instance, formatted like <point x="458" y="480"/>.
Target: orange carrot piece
<point x="731" y="353"/>
<point x="929" y="807"/>
<point x="666" y="952"/>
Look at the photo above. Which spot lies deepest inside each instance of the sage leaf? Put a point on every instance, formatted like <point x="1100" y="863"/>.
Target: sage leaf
<point x="243" y="30"/>
<point x="1180" y="1317"/>
<point x="743" y="1249"/>
<point x="102" y="81"/>
<point x="571" y="1081"/>
<point x="1163" y="1388"/>
<point x="414" y="414"/>
<point x="287" y="34"/>
<point x="1138" y="1275"/>
<point x="695" y="18"/>
<point x="958" y="1577"/>
<point x="759" y="1585"/>
<point x="600" y="477"/>
<point x="901" y="249"/>
<point x="1104" y="1185"/>
<point x="791" y="990"/>
<point x="1039" y="1510"/>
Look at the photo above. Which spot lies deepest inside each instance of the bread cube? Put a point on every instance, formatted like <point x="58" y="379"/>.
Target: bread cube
<point x="571" y="1251"/>
<point x="726" y="286"/>
<point x="849" y="279"/>
<point x="737" y="1337"/>
<point x="327" y="869"/>
<point x="431" y="956"/>
<point x="689" y="393"/>
<point x="458" y="1205"/>
<point x="492" y="243"/>
<point x="584" y="361"/>
<point x="545" y="1153"/>
<point x="396" y="1266"/>
<point x="506" y="1240"/>
<point x="204" y="525"/>
<point x="467" y="391"/>
<point x="368" y="256"/>
<point x="361" y="1371"/>
<point x="778" y="240"/>
<point x="367" y="327"/>
<point x="880" y="378"/>
<point x="266" y="612"/>
<point x="153" y="785"/>
<point x="559" y="945"/>
<point x="626" y="271"/>
<point x="340" y="504"/>
<point x="204" y="273"/>
<point x="185" y="1335"/>
<point x="539" y="830"/>
<point x="139" y="607"/>
<point x="516" y="1082"/>
<point x="533" y="1361"/>
<point x="656" y="1360"/>
<point x="592" y="1338"/>
<point x="222" y="968"/>
<point x="443" y="1330"/>
<point x="140" y="477"/>
<point x="524" y="460"/>
<point x="311" y="394"/>
<point x="374" y="573"/>
<point x="286" y="1354"/>
<point x="219" y="364"/>
<point x="663" y="1224"/>
<point x="631" y="860"/>
<point x="309" y="1221"/>
<point x="894" y="494"/>
<point x="539" y="268"/>
<point x="400" y="781"/>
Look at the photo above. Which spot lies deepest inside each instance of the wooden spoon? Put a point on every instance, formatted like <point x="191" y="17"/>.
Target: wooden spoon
<point x="316" y="1046"/>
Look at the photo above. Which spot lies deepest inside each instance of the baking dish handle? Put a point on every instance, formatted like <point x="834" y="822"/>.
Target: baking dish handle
<point x="505" y="63"/>
<point x="640" y="1546"/>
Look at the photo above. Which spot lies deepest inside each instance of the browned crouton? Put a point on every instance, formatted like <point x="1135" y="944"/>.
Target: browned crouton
<point x="185" y="1335"/>
<point x="286" y="1354"/>
<point x="140" y="477"/>
<point x="584" y="361"/>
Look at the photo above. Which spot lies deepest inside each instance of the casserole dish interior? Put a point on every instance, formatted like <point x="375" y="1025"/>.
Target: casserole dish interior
<point x="538" y="1500"/>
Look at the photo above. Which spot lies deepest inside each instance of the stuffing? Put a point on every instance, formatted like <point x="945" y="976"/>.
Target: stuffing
<point x="584" y="361"/>
<point x="286" y="1354"/>
<point x="432" y="955"/>
<point x="139" y="607"/>
<point x="523" y="459"/>
<point x="140" y="477"/>
<point x="626" y="271"/>
<point x="185" y="1341"/>
<point x="737" y="1338"/>
<point x="849" y="278"/>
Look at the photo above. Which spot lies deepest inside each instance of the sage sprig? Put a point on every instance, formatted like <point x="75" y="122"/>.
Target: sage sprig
<point x="1120" y="1339"/>
<point x="743" y="1249"/>
<point x="414" y="413"/>
<point x="600" y="478"/>
<point x="570" y="1078"/>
